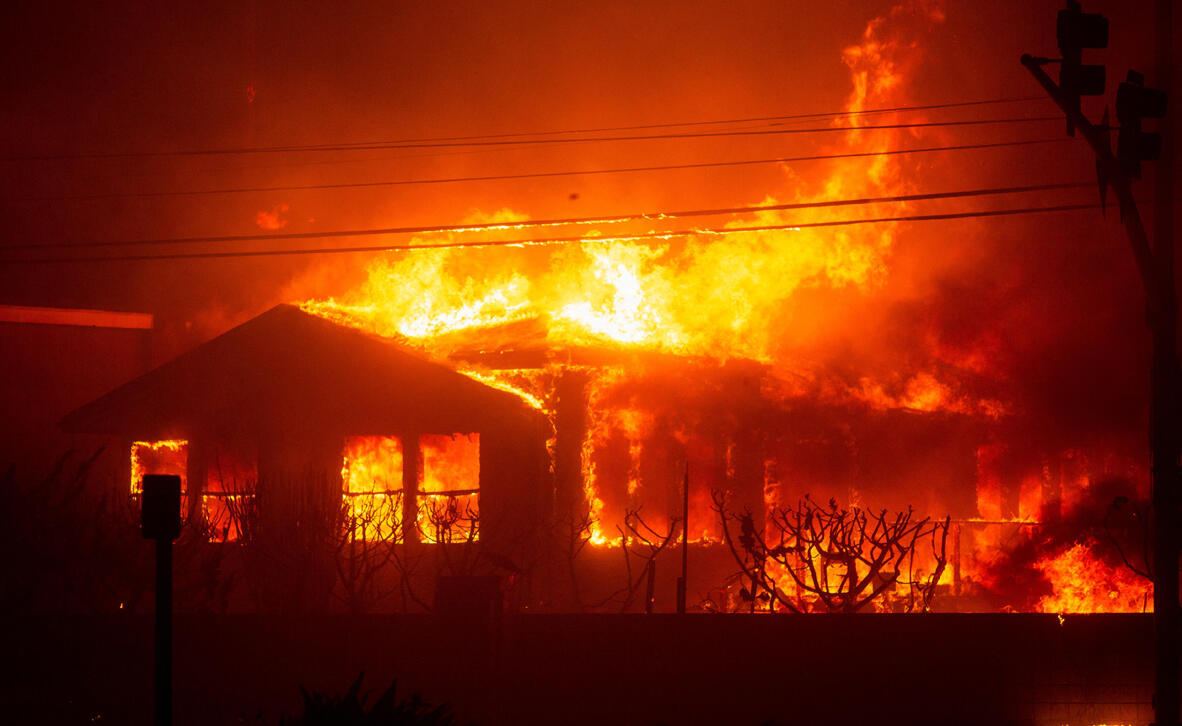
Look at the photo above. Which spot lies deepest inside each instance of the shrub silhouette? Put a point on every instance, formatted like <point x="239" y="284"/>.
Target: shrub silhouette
<point x="349" y="709"/>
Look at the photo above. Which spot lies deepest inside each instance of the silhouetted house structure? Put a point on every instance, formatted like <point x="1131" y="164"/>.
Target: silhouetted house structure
<point x="290" y="397"/>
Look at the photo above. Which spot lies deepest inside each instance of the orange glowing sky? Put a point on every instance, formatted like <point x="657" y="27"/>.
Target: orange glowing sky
<point x="1031" y="321"/>
<point x="1007" y="301"/>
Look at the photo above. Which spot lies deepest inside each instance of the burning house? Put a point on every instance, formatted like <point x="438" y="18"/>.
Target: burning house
<point x="572" y="410"/>
<point x="530" y="452"/>
<point x="289" y="398"/>
<point x="577" y="402"/>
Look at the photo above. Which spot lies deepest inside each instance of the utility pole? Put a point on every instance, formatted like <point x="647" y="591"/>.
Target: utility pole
<point x="1155" y="263"/>
<point x="1165" y="433"/>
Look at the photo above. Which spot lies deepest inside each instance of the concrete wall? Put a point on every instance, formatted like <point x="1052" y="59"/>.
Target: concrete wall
<point x="630" y="669"/>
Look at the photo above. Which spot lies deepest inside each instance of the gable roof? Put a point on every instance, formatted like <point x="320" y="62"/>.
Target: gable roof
<point x="288" y="367"/>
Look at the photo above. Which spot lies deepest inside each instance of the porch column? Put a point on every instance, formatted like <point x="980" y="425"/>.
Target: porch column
<point x="411" y="475"/>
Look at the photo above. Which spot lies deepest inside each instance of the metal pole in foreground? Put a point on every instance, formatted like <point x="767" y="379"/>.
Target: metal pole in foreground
<point x="1166" y="432"/>
<point x="163" y="700"/>
<point x="161" y="519"/>
<point x="1156" y="264"/>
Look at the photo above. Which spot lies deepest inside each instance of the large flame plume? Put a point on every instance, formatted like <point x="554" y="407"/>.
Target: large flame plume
<point x="717" y="300"/>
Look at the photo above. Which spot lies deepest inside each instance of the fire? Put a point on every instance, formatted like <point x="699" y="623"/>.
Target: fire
<point x="1083" y="583"/>
<point x="925" y="392"/>
<point x="502" y="383"/>
<point x="169" y="456"/>
<point x="449" y="504"/>
<point x="372" y="474"/>
<point x="728" y="316"/>
<point x="714" y="297"/>
<point x="619" y="309"/>
<point x="372" y="464"/>
<point x="430" y="293"/>
<point x="228" y="498"/>
<point x="621" y="431"/>
<point x="628" y="295"/>
<point x="447" y="492"/>
<point x="718" y="296"/>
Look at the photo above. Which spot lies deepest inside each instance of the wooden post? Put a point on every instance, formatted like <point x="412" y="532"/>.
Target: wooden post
<point x="650" y="587"/>
<point x="570" y="429"/>
<point x="683" y="581"/>
<point x="956" y="559"/>
<point x="411" y="474"/>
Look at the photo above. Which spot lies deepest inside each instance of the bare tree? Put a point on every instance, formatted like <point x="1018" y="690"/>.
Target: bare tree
<point x="640" y="545"/>
<point x="235" y="516"/>
<point x="814" y="558"/>
<point x="71" y="541"/>
<point x="1127" y="525"/>
<point x="294" y="526"/>
<point x="574" y="531"/>
<point x="373" y="559"/>
<point x="448" y="520"/>
<point x="453" y="529"/>
<point x="60" y="539"/>
<point x="370" y="529"/>
<point x="640" y="541"/>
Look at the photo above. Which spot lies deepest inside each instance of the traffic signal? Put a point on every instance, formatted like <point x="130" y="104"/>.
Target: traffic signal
<point x="1075" y="31"/>
<point x="1134" y="102"/>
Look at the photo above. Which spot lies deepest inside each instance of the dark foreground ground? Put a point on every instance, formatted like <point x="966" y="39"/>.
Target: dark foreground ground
<point x="596" y="669"/>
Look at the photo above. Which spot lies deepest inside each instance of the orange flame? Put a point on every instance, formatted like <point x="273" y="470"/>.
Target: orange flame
<point x="170" y="456"/>
<point x="698" y="295"/>
<point x="447" y="493"/>
<point x="449" y="505"/>
<point x="1083" y="583"/>
<point x="703" y="295"/>
<point x="371" y="470"/>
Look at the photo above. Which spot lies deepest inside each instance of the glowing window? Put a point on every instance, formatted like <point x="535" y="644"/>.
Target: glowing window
<point x="372" y="476"/>
<point x="159" y="457"/>
<point x="449" y="495"/>
<point x="228" y="498"/>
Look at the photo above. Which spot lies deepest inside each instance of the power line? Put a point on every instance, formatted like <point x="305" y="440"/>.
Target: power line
<point x="546" y="241"/>
<point x="634" y="127"/>
<point x="750" y="119"/>
<point x="543" y="174"/>
<point x="565" y="221"/>
<point x="451" y="144"/>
